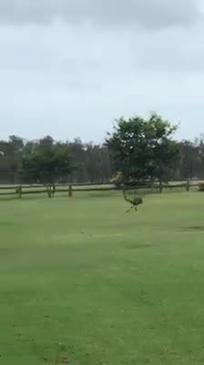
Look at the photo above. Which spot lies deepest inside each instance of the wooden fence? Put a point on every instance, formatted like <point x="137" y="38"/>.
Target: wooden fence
<point x="18" y="191"/>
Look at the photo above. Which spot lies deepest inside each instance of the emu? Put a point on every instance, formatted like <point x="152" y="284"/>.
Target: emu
<point x="135" y="201"/>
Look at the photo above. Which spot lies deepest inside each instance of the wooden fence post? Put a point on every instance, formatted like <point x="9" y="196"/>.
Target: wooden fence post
<point x="160" y="187"/>
<point x="53" y="190"/>
<point x="19" y="191"/>
<point x="70" y="191"/>
<point x="188" y="185"/>
<point x="49" y="191"/>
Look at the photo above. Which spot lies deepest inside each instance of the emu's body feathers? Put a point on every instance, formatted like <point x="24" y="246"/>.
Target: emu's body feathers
<point x="135" y="201"/>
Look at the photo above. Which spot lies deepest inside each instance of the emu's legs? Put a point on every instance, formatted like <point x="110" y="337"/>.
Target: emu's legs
<point x="132" y="207"/>
<point x="128" y="211"/>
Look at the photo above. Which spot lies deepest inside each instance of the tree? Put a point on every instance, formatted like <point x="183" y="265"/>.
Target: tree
<point x="14" y="156"/>
<point x="91" y="162"/>
<point x="46" y="161"/>
<point x="10" y="166"/>
<point x="190" y="159"/>
<point x="143" y="149"/>
<point x="97" y="163"/>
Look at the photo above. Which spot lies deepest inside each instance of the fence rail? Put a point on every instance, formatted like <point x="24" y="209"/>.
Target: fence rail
<point x="19" y="191"/>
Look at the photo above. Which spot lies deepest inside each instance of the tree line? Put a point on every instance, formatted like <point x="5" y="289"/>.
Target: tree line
<point x="137" y="149"/>
<point x="48" y="161"/>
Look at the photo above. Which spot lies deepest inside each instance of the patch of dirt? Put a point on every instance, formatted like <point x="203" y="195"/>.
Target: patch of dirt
<point x="195" y="228"/>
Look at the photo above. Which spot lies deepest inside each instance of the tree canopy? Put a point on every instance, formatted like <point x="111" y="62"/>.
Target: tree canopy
<point x="46" y="161"/>
<point x="143" y="148"/>
<point x="137" y="149"/>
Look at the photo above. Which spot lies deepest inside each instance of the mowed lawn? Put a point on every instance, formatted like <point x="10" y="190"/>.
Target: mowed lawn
<point x="84" y="283"/>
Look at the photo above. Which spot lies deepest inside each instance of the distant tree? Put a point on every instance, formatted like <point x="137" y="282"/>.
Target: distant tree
<point x="14" y="156"/>
<point x="78" y="152"/>
<point x="143" y="149"/>
<point x="190" y="159"/>
<point x="46" y="161"/>
<point x="91" y="162"/>
<point x="200" y="146"/>
<point x="16" y="143"/>
<point x="97" y="163"/>
<point x="10" y="165"/>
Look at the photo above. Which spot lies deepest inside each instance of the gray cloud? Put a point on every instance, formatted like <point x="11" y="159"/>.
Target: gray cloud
<point x="171" y="50"/>
<point x="71" y="77"/>
<point x="146" y="13"/>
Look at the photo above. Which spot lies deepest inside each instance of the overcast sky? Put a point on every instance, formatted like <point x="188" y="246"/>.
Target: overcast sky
<point x="70" y="67"/>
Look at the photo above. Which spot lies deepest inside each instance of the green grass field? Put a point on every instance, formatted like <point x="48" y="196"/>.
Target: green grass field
<point x="84" y="283"/>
